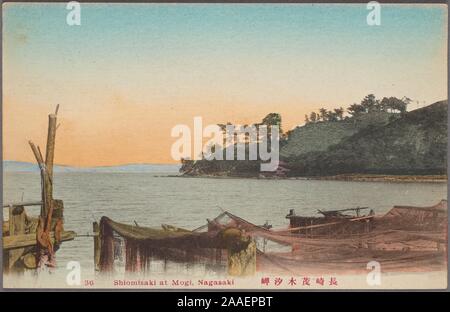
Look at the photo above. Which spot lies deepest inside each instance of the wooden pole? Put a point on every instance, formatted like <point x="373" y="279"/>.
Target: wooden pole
<point x="49" y="157"/>
<point x="47" y="169"/>
<point x="242" y="262"/>
<point x="36" y="153"/>
<point x="17" y="227"/>
<point x="11" y="221"/>
<point x="50" y="151"/>
<point x="96" y="229"/>
<point x="44" y="177"/>
<point x="45" y="244"/>
<point x="322" y="225"/>
<point x="29" y="240"/>
<point x="31" y="203"/>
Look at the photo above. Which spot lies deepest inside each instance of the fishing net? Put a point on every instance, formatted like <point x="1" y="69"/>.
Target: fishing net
<point x="403" y="239"/>
<point x="138" y="246"/>
<point x="424" y="219"/>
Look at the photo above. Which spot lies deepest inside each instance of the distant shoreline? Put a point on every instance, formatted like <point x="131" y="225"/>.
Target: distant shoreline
<point x="341" y="177"/>
<point x="386" y="178"/>
<point x="20" y="166"/>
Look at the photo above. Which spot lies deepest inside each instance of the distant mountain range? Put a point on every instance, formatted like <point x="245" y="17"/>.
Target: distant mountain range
<point x="19" y="166"/>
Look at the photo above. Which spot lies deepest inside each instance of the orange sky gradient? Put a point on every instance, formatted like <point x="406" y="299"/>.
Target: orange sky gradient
<point x="122" y="83"/>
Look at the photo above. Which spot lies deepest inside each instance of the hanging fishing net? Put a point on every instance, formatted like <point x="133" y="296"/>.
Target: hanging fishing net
<point x="138" y="246"/>
<point x="405" y="238"/>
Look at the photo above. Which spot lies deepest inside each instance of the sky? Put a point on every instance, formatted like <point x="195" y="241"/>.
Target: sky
<point x="131" y="72"/>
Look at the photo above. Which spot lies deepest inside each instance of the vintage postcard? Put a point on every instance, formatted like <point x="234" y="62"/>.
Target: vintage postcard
<point x="289" y="146"/>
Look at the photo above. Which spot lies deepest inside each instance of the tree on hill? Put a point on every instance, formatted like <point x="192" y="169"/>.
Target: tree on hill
<point x="370" y="103"/>
<point x="395" y="105"/>
<point x="331" y="116"/>
<point x="356" y="109"/>
<point x="339" y="112"/>
<point x="367" y="105"/>
<point x="273" y="119"/>
<point x="323" y="114"/>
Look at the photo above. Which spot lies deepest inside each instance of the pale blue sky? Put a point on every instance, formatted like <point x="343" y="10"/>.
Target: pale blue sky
<point x="234" y="62"/>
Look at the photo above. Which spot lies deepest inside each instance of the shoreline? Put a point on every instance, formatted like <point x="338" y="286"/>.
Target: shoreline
<point x="386" y="178"/>
<point x="341" y="177"/>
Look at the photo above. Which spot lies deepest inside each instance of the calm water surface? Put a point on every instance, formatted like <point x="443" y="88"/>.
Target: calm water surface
<point x="151" y="199"/>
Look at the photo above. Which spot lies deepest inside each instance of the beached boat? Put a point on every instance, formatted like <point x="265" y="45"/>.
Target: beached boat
<point x="332" y="222"/>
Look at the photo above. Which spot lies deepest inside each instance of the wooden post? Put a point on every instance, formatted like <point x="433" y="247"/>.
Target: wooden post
<point x="243" y="262"/>
<point x="44" y="177"/>
<point x="11" y="220"/>
<point x="46" y="168"/>
<point x="49" y="156"/>
<point x="19" y="220"/>
<point x="16" y="227"/>
<point x="50" y="151"/>
<point x="96" y="229"/>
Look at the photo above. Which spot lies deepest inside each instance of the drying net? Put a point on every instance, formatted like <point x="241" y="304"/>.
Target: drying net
<point x="406" y="238"/>
<point x="136" y="247"/>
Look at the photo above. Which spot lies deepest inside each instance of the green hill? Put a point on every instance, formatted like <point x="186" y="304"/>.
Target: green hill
<point x="415" y="143"/>
<point x="378" y="142"/>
